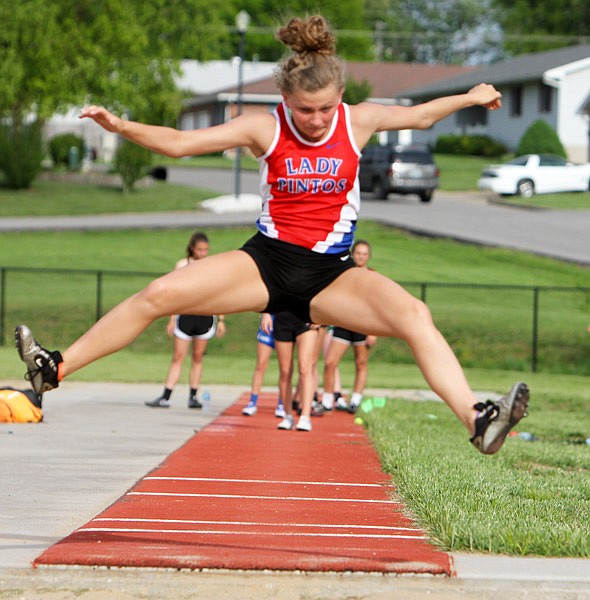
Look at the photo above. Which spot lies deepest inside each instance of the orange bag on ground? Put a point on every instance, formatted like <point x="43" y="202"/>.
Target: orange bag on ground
<point x="19" y="406"/>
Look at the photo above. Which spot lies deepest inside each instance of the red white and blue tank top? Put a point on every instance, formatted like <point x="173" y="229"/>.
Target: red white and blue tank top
<point x="310" y="190"/>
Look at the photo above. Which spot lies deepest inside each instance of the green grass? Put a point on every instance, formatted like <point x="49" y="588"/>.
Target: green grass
<point x="569" y="201"/>
<point x="529" y="499"/>
<point x="482" y="330"/>
<point x="50" y="198"/>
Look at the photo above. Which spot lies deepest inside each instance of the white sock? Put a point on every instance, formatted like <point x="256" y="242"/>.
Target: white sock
<point x="356" y="398"/>
<point x="328" y="400"/>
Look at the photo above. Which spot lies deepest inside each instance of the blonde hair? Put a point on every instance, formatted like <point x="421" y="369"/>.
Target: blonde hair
<point x="313" y="64"/>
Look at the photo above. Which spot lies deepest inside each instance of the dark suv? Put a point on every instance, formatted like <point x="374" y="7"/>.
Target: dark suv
<point x="399" y="169"/>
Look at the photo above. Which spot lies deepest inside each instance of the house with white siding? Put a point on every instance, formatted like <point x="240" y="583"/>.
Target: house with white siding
<point x="553" y="86"/>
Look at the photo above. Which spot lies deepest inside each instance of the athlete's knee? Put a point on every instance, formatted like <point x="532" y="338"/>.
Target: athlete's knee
<point x="284" y="374"/>
<point x="305" y="369"/>
<point x="330" y="363"/>
<point x="178" y="356"/>
<point x="412" y="321"/>
<point x="155" y="297"/>
<point x="361" y="362"/>
<point x="421" y="313"/>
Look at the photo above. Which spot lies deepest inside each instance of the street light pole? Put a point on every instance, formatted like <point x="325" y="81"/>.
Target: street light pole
<point x="242" y="22"/>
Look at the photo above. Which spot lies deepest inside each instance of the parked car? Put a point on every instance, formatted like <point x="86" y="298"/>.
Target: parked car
<point x="535" y="174"/>
<point x="401" y="169"/>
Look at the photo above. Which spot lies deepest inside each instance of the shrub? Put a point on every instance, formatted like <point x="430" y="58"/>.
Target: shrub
<point x="356" y="91"/>
<point x="540" y="138"/>
<point x="132" y="162"/>
<point x="60" y="145"/>
<point x="471" y="145"/>
<point x="21" y="153"/>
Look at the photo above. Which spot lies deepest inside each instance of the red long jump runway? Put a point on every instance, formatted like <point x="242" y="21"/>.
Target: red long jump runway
<point x="241" y="494"/>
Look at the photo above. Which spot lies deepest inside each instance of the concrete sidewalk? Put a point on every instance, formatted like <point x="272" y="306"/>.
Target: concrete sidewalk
<point x="98" y="440"/>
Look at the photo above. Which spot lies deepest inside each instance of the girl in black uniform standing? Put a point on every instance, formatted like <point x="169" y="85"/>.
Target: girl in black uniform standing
<point x="195" y="330"/>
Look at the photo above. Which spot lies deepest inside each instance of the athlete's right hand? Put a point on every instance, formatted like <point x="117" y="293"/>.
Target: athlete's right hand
<point x="103" y="117"/>
<point x="266" y="323"/>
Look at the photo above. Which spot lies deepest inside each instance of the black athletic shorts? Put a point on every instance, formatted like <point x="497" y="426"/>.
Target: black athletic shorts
<point x="292" y="274"/>
<point x="195" y="327"/>
<point x="349" y="337"/>
<point x="287" y="327"/>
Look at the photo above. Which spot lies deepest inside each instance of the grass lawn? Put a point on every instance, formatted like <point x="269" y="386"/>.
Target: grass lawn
<point x="531" y="498"/>
<point x="483" y="331"/>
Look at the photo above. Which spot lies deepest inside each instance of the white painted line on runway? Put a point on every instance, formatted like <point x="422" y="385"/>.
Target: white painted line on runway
<point x="256" y="524"/>
<point x="258" y="533"/>
<point x="244" y="496"/>
<point x="277" y="481"/>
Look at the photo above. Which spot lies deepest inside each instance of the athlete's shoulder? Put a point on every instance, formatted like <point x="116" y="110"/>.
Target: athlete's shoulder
<point x="262" y="127"/>
<point x="182" y="262"/>
<point x="365" y="113"/>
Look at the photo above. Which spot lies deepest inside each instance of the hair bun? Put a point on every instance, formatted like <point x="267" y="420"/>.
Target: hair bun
<point x="309" y="35"/>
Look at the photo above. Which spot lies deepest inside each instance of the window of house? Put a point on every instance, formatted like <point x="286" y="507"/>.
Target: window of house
<point x="472" y="117"/>
<point x="545" y="98"/>
<point x="516" y="101"/>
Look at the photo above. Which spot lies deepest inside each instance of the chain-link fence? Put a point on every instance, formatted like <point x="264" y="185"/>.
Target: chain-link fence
<point x="537" y="328"/>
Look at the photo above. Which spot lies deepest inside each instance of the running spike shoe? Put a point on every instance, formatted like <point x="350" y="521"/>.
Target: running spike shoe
<point x="41" y="363"/>
<point x="495" y="419"/>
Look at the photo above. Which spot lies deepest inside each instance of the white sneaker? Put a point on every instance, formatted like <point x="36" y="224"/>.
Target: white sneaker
<point x="341" y="404"/>
<point x="286" y="423"/>
<point x="250" y="410"/>
<point x="327" y="403"/>
<point x="280" y="411"/>
<point x="304" y="424"/>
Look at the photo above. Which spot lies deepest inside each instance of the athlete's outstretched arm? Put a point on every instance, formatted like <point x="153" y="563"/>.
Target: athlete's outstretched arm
<point x="368" y="118"/>
<point x="254" y="131"/>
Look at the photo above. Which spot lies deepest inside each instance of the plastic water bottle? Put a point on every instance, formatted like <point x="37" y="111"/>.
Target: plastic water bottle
<point x="206" y="398"/>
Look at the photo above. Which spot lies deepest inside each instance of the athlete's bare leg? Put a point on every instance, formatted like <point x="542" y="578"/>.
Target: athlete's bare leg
<point x="368" y="302"/>
<point x="219" y="284"/>
<point x="361" y="368"/>
<point x="306" y="345"/>
<point x="196" y="370"/>
<point x="263" y="354"/>
<point x="284" y="352"/>
<point x="178" y="355"/>
<point x="336" y="350"/>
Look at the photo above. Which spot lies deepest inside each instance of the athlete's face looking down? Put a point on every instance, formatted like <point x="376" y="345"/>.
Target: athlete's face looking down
<point x="312" y="112"/>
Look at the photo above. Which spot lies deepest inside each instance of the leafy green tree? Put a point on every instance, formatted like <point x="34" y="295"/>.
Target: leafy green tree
<point x="124" y="54"/>
<point x="21" y="152"/>
<point x="535" y="25"/>
<point x="60" y="147"/>
<point x="345" y="16"/>
<point x="356" y="91"/>
<point x="132" y="162"/>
